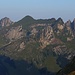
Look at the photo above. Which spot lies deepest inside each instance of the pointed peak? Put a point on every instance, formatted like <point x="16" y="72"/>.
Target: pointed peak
<point x="5" y="18"/>
<point x="53" y="19"/>
<point x="60" y="21"/>
<point x="69" y="21"/>
<point x="5" y="22"/>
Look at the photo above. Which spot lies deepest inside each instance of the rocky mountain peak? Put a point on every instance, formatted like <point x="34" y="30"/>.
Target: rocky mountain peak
<point x="60" y="21"/>
<point x="5" y="22"/>
<point x="68" y="25"/>
<point x="68" y="22"/>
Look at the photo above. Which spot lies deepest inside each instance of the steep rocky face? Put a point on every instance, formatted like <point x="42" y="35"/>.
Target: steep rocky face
<point x="5" y="22"/>
<point x="68" y="25"/>
<point x="34" y="32"/>
<point x="59" y="21"/>
<point x="46" y="36"/>
<point x="15" y="33"/>
<point x="60" y="27"/>
<point x="69" y="31"/>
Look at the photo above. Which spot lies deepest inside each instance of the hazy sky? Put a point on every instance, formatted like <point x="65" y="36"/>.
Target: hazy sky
<point x="17" y="9"/>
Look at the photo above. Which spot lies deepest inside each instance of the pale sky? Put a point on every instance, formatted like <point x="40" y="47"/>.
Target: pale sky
<point x="44" y="9"/>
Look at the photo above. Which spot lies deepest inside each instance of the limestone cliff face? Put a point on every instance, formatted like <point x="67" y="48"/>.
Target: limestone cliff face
<point x="69" y="32"/>
<point x="60" y="27"/>
<point x="34" y="32"/>
<point x="68" y="25"/>
<point x="14" y="33"/>
<point x="46" y="36"/>
<point x="5" y="22"/>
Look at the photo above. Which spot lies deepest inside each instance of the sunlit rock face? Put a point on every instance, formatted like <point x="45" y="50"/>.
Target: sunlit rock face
<point x="46" y="36"/>
<point x="15" y="33"/>
<point x="5" y="22"/>
<point x="60" y="27"/>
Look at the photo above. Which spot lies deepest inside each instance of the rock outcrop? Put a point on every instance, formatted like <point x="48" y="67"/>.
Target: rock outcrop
<point x="68" y="25"/>
<point x="46" y="36"/>
<point x="14" y="33"/>
<point x="34" y="32"/>
<point x="22" y="45"/>
<point x="5" y="22"/>
<point x="60" y="27"/>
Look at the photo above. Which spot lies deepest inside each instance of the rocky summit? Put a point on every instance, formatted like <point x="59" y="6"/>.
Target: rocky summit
<point x="5" y="22"/>
<point x="48" y="44"/>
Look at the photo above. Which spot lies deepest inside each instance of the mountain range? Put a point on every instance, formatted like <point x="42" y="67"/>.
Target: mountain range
<point x="48" y="44"/>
